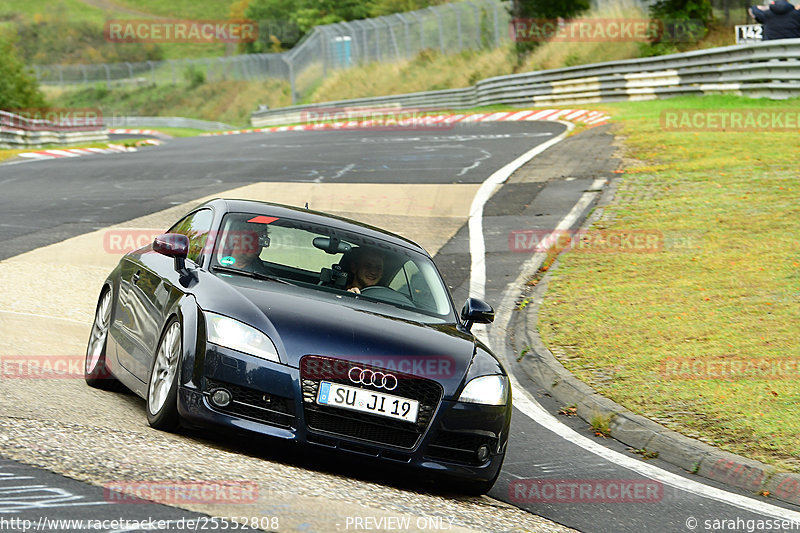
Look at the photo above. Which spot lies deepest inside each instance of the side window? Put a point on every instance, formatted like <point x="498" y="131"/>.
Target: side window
<point x="195" y="226"/>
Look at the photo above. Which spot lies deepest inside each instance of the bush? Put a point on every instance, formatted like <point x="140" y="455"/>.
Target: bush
<point x="683" y="21"/>
<point x="53" y="38"/>
<point x="18" y="86"/>
<point x="194" y="76"/>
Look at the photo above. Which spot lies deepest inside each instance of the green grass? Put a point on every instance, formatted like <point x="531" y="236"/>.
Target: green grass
<point x="230" y="102"/>
<point x="186" y="9"/>
<point x="727" y="290"/>
<point x="175" y="132"/>
<point x="74" y="9"/>
<point x="6" y="154"/>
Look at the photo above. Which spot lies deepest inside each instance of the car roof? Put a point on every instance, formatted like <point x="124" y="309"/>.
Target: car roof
<point x="313" y="217"/>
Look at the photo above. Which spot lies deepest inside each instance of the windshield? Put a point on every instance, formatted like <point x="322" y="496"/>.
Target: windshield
<point x="327" y="259"/>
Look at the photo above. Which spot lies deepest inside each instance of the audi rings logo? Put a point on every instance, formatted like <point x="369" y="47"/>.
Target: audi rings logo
<point x="365" y="376"/>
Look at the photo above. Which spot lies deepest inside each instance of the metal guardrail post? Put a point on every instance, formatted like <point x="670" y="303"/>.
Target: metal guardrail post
<point x="477" y="11"/>
<point x="291" y="78"/>
<point x="496" y="24"/>
<point x="421" y="21"/>
<point x="108" y="75"/>
<point x="441" y="28"/>
<point x="407" y="32"/>
<point x="394" y="40"/>
<point x="458" y="25"/>
<point x="375" y="28"/>
<point x="325" y="41"/>
<point x="364" y="52"/>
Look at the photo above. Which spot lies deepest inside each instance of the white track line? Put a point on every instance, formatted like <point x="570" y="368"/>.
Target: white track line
<point x="477" y="247"/>
<point x="524" y="402"/>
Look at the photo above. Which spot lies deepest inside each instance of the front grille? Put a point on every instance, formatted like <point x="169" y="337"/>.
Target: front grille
<point x="462" y="448"/>
<point x="364" y="426"/>
<point x="254" y="404"/>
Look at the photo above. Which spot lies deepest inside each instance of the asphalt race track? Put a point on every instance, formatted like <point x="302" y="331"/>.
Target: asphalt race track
<point x="53" y="215"/>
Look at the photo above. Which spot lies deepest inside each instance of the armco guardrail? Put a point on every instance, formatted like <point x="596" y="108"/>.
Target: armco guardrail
<point x="769" y="69"/>
<point x="20" y="132"/>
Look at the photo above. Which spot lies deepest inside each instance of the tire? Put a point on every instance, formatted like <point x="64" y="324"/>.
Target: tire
<point x="95" y="371"/>
<point x="162" y="388"/>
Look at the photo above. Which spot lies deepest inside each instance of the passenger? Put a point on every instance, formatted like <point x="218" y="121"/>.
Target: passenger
<point x="365" y="269"/>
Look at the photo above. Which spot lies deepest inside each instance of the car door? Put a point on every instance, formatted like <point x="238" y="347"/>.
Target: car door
<point x="150" y="288"/>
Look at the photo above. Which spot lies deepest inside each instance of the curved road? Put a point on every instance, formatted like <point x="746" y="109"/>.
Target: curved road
<point x="371" y="173"/>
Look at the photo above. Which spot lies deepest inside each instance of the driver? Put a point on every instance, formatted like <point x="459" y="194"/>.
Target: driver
<point x="366" y="269"/>
<point x="243" y="245"/>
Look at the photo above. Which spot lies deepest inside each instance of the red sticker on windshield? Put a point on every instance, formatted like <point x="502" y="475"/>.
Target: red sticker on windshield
<point x="263" y="220"/>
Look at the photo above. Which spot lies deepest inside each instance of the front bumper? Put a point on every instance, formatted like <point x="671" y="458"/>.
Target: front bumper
<point x="275" y="400"/>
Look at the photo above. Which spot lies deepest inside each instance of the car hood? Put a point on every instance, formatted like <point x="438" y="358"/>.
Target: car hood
<point x="307" y="322"/>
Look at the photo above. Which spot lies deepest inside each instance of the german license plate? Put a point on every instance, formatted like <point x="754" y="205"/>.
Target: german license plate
<point x="367" y="401"/>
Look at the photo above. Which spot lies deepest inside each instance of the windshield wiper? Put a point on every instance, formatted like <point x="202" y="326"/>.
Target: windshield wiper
<point x="247" y="273"/>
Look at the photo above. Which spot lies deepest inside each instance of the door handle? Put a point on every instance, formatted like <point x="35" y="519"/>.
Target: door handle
<point x="136" y="277"/>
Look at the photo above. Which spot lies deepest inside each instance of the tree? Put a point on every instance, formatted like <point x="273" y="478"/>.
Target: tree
<point x="18" y="86"/>
<point x="544" y="9"/>
<point x="682" y="21"/>
<point x="699" y="10"/>
<point x="276" y="20"/>
<point x="549" y="9"/>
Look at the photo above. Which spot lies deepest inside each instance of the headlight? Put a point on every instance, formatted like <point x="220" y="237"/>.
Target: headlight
<point x="487" y="390"/>
<point x="238" y="336"/>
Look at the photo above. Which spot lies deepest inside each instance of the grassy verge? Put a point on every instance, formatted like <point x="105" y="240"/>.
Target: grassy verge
<point x="703" y="335"/>
<point x="174" y="132"/>
<point x="6" y="154"/>
<point x="230" y="102"/>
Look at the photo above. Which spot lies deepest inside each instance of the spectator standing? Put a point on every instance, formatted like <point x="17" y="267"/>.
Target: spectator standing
<point x="781" y="20"/>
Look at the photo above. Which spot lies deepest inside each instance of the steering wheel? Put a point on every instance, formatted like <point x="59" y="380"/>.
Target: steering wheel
<point x="379" y="292"/>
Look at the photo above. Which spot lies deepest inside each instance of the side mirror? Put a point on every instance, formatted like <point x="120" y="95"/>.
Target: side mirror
<point x="173" y="245"/>
<point x="476" y="311"/>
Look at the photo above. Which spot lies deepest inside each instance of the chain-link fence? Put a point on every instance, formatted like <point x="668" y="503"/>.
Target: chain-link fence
<point x="449" y="28"/>
<point x="243" y="67"/>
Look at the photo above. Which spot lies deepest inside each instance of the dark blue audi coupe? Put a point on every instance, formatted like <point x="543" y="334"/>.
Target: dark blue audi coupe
<point x="308" y="327"/>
